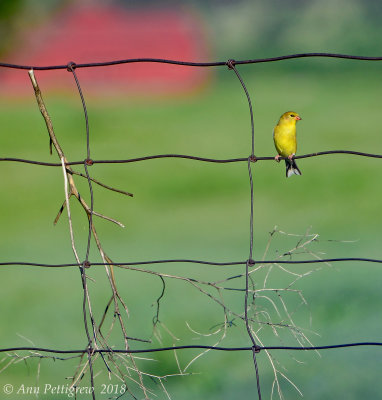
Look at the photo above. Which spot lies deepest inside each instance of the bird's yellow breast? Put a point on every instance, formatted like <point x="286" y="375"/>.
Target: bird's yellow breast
<point x="284" y="136"/>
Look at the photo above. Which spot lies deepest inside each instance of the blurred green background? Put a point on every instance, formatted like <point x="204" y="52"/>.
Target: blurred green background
<point x="187" y="209"/>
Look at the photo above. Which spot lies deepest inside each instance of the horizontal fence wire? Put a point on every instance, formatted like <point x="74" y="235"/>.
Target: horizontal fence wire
<point x="190" y="261"/>
<point x="189" y="63"/>
<point x="172" y="348"/>
<point x="189" y="157"/>
<point x="92" y="347"/>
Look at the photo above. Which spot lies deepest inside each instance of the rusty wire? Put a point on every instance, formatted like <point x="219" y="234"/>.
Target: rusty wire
<point x="192" y="64"/>
<point x="188" y="157"/>
<point x="172" y="348"/>
<point x="203" y="262"/>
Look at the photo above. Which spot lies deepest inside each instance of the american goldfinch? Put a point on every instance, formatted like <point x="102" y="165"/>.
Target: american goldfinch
<point x="284" y="136"/>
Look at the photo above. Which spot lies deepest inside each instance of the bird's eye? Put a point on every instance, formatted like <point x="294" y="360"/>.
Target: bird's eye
<point x="292" y="115"/>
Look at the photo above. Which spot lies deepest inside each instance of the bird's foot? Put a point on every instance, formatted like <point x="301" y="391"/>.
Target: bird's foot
<point x="291" y="156"/>
<point x="277" y="158"/>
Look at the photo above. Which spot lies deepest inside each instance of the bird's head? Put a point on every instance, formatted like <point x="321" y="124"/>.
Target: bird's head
<point x="290" y="116"/>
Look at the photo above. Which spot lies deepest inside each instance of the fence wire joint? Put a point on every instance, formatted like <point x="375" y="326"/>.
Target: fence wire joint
<point x="71" y="66"/>
<point x="231" y="63"/>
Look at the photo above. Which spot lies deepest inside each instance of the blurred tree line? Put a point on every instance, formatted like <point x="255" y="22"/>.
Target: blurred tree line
<point x="239" y="28"/>
<point x="273" y="27"/>
<point x="19" y="17"/>
<point x="8" y="12"/>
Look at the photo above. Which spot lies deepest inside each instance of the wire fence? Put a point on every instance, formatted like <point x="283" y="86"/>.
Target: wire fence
<point x="96" y="341"/>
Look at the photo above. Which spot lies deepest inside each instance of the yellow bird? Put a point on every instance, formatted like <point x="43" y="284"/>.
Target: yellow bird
<point x="284" y="136"/>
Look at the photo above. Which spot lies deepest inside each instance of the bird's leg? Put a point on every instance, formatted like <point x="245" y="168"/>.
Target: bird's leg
<point x="291" y="156"/>
<point x="277" y="158"/>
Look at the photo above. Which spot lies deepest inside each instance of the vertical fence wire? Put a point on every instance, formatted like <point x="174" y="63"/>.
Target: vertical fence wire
<point x="71" y="68"/>
<point x="231" y="65"/>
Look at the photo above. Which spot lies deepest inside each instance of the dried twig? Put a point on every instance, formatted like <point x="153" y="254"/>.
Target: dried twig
<point x="71" y="190"/>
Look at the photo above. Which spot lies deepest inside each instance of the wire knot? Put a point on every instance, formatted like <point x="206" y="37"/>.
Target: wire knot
<point x="70" y="66"/>
<point x="252" y="158"/>
<point x="231" y="63"/>
<point x="256" y="348"/>
<point x="89" y="161"/>
<point x="86" y="264"/>
<point x="251" y="262"/>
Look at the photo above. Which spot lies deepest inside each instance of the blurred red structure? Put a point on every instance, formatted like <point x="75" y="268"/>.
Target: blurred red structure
<point x="99" y="33"/>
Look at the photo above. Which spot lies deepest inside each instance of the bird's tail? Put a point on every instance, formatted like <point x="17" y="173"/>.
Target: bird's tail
<point x="291" y="168"/>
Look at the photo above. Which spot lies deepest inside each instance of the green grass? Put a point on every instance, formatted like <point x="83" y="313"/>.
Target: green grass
<point x="183" y="208"/>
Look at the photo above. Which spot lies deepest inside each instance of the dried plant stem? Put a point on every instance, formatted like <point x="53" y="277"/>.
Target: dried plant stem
<point x="71" y="190"/>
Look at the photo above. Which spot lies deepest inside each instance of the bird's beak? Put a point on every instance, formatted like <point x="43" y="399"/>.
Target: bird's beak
<point x="298" y="118"/>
